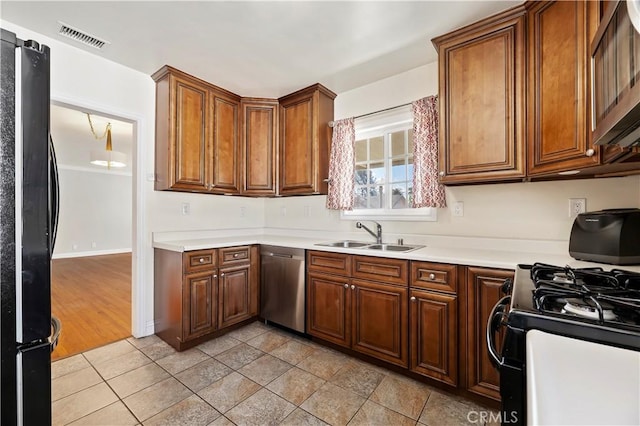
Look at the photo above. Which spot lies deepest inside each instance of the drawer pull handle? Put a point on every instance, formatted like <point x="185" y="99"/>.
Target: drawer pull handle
<point x="413" y="298"/>
<point x="346" y="286"/>
<point x="432" y="276"/>
<point x="353" y="287"/>
<point x="222" y="274"/>
<point x="236" y="255"/>
<point x="215" y="276"/>
<point x="201" y="260"/>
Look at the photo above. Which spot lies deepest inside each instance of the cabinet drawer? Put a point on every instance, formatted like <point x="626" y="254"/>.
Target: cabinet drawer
<point x="233" y="255"/>
<point x="332" y="263"/>
<point x="199" y="260"/>
<point x="392" y="271"/>
<point x="434" y="276"/>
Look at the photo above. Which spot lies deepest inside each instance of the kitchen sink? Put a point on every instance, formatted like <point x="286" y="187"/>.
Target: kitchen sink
<point x="369" y="246"/>
<point x="392" y="247"/>
<point x="345" y="244"/>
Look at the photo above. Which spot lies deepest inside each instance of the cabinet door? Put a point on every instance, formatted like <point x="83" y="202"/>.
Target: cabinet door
<point x="226" y="144"/>
<point x="200" y="293"/>
<point x="260" y="127"/>
<point x="235" y="295"/>
<point x="328" y="308"/>
<point x="188" y="149"/>
<point x="482" y="101"/>
<point x="483" y="292"/>
<point x="558" y="75"/>
<point x="434" y="335"/>
<point x="380" y="321"/>
<point x="297" y="145"/>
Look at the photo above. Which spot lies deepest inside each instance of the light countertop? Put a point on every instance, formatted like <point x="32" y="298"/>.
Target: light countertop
<point x="491" y="257"/>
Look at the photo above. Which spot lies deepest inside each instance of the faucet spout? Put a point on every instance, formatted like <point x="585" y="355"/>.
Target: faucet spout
<point x="377" y="235"/>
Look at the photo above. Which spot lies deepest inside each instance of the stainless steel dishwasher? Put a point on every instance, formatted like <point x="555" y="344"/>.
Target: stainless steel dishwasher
<point x="282" y="286"/>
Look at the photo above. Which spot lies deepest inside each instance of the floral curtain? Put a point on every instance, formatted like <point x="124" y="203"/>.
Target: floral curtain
<point x="427" y="192"/>
<point x="342" y="166"/>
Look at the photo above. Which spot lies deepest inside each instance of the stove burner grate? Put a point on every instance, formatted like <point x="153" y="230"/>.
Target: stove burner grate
<point x="589" y="293"/>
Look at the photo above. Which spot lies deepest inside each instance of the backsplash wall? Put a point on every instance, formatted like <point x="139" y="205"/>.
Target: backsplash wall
<point x="531" y="210"/>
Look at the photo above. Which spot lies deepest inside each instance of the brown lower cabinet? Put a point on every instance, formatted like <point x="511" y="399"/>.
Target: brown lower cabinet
<point x="434" y="335"/>
<point x="484" y="290"/>
<point x="199" y="293"/>
<point x="433" y="321"/>
<point x="367" y="316"/>
<point x="430" y="318"/>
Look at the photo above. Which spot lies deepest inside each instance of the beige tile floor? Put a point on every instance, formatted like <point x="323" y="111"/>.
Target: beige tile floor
<point x="256" y="375"/>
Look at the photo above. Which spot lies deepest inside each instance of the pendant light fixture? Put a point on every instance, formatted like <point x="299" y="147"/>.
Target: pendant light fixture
<point x="108" y="157"/>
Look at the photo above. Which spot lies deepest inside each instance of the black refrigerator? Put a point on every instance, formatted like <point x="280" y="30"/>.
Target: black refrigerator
<point x="28" y="213"/>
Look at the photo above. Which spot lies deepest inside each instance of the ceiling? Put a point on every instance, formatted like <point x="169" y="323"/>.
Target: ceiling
<point x="73" y="140"/>
<point x="261" y="49"/>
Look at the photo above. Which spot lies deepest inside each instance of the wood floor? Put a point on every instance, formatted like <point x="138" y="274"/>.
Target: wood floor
<point x="92" y="298"/>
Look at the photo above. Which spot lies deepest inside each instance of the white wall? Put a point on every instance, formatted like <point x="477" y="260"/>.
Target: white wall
<point x="534" y="210"/>
<point x="94" y="208"/>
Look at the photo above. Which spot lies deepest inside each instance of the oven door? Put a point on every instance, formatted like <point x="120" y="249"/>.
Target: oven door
<point x="570" y="381"/>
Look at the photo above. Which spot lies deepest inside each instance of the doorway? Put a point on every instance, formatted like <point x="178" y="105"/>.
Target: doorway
<point x="92" y="260"/>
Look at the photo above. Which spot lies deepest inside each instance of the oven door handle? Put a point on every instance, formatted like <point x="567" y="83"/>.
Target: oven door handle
<point x="494" y="323"/>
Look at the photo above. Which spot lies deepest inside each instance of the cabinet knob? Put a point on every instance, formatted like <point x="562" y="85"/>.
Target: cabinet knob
<point x="590" y="152"/>
<point x="222" y="274"/>
<point x="432" y="276"/>
<point x="201" y="260"/>
<point x="235" y="255"/>
<point x="215" y="275"/>
<point x="441" y="173"/>
<point x="346" y="286"/>
<point x="413" y="298"/>
<point x="353" y="287"/>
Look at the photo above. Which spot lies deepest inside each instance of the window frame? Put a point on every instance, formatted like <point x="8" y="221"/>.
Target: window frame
<point x="381" y="124"/>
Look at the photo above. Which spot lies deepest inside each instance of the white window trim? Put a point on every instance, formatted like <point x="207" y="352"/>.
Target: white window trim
<point x="370" y="126"/>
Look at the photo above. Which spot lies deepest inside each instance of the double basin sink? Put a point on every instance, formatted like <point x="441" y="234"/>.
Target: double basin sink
<point x="369" y="246"/>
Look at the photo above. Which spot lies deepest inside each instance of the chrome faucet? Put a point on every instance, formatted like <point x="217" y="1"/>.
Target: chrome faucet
<point x="377" y="236"/>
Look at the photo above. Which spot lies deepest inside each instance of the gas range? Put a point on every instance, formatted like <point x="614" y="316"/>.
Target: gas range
<point x="558" y="323"/>
<point x="585" y="303"/>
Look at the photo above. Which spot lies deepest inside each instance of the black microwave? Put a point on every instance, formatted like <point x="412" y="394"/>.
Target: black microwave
<point x="615" y="74"/>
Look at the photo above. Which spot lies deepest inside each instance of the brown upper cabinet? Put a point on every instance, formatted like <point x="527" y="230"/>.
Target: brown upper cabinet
<point x="260" y="142"/>
<point x="305" y="140"/>
<point x="558" y="74"/>
<point x="482" y="100"/>
<point x="197" y="134"/>
<point x="515" y="97"/>
<point x="211" y="140"/>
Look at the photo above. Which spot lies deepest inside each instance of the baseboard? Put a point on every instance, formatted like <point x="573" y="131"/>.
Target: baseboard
<point x="90" y="253"/>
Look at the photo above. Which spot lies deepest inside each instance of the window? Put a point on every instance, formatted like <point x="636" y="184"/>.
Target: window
<point x="384" y="168"/>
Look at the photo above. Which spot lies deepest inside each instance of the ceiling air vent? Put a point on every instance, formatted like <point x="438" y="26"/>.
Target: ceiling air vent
<point x="81" y="36"/>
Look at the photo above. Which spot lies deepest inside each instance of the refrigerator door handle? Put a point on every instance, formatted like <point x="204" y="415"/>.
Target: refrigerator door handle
<point x="54" y="194"/>
<point x="56" y="326"/>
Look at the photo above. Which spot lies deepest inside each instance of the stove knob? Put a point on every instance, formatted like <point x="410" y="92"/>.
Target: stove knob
<point x="507" y="286"/>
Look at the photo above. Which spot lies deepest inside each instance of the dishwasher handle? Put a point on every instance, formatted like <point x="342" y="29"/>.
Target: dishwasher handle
<point x="288" y="256"/>
<point x="282" y="255"/>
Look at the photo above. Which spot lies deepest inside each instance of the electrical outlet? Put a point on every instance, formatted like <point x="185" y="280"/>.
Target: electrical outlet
<point x="94" y="244"/>
<point x="74" y="247"/>
<point x="186" y="209"/>
<point x="458" y="209"/>
<point x="243" y="211"/>
<point x="307" y="211"/>
<point x="283" y="211"/>
<point x="577" y="206"/>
